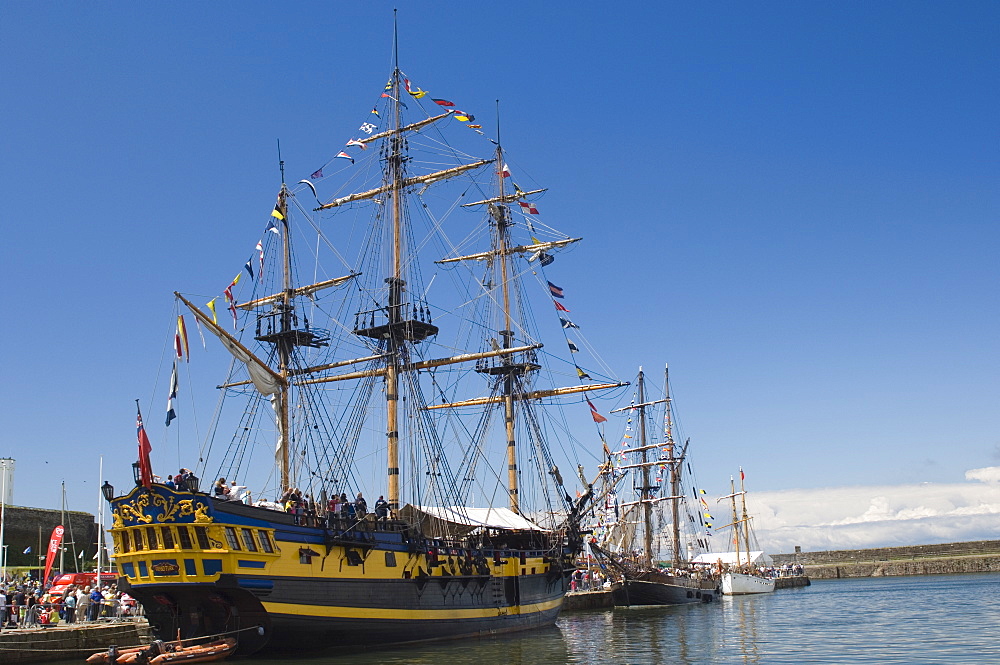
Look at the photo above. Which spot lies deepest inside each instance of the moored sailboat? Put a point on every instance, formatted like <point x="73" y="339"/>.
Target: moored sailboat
<point x="629" y="544"/>
<point x="441" y="558"/>
<point x="742" y="577"/>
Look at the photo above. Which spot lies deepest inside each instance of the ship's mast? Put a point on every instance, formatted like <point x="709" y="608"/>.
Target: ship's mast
<point x="675" y="475"/>
<point x="396" y="283"/>
<point x="736" y="521"/>
<point x="283" y="346"/>
<point x="647" y="499"/>
<point x="503" y="221"/>
<point x="746" y="519"/>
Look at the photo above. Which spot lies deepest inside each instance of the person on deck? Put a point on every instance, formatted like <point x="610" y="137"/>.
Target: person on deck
<point x="221" y="491"/>
<point x="360" y="507"/>
<point x="381" y="508"/>
<point x="345" y="506"/>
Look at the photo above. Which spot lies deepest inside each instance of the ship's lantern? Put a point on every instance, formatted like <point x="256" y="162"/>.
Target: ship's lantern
<point x="108" y="490"/>
<point x="192" y="483"/>
<point x="137" y="473"/>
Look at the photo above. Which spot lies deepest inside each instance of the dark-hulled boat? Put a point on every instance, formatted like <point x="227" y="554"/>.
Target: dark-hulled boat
<point x="652" y="470"/>
<point x="375" y="379"/>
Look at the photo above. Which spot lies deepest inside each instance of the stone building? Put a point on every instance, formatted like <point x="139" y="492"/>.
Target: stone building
<point x="32" y="527"/>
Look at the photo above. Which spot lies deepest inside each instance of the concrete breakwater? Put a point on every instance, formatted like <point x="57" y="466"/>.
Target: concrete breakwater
<point x="66" y="642"/>
<point x="981" y="556"/>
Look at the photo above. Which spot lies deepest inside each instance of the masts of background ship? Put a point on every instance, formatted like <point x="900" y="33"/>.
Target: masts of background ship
<point x="646" y="499"/>
<point x="647" y="505"/>
<point x="736" y="522"/>
<point x="675" y="471"/>
<point x="746" y="521"/>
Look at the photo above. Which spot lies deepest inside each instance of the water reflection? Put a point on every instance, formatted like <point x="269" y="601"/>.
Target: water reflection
<point x="936" y="619"/>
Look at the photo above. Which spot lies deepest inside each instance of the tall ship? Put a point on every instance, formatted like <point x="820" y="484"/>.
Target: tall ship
<point x="415" y="370"/>
<point x="743" y="576"/>
<point x="646" y="510"/>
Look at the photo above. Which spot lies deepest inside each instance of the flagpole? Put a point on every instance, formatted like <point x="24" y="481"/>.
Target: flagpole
<point x="3" y="523"/>
<point x="100" y="516"/>
<point x="62" y="520"/>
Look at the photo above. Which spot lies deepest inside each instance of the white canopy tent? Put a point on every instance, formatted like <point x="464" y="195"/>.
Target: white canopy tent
<point x="445" y="520"/>
<point x="729" y="558"/>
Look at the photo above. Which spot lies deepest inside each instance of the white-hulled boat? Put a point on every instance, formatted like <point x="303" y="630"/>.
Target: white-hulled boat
<point x="741" y="579"/>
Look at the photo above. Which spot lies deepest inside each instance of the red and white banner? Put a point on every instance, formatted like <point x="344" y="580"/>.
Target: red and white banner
<point x="55" y="540"/>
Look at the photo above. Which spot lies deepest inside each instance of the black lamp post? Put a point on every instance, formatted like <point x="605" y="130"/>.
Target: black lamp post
<point x="108" y="490"/>
<point x="137" y="473"/>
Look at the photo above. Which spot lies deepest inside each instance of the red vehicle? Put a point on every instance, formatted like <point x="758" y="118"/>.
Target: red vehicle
<point x="81" y="580"/>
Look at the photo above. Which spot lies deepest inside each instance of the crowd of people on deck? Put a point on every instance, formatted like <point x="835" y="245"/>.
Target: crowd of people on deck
<point x="309" y="512"/>
<point x="28" y="604"/>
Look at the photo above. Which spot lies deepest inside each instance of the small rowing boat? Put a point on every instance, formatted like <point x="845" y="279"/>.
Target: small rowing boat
<point x="164" y="653"/>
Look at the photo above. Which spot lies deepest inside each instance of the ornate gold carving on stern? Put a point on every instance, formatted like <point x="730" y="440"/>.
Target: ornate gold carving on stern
<point x="133" y="510"/>
<point x="172" y="509"/>
<point x="201" y="514"/>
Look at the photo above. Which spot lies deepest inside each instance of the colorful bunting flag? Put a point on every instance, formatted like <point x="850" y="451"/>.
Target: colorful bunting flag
<point x="504" y="171"/>
<point x="248" y="266"/>
<point x="556" y="291"/>
<point x="344" y="155"/>
<point x="171" y="414"/>
<point x="418" y="93"/>
<point x="367" y="127"/>
<point x="566" y="323"/>
<point x="272" y="227"/>
<point x="277" y="211"/>
<point x="211" y="306"/>
<point x="559" y="306"/>
<point x="375" y="113"/>
<point x="360" y="144"/>
<point x="464" y="117"/>
<point x="260" y="252"/>
<point x="573" y="348"/>
<point x="182" y="336"/>
<point x="442" y="102"/>
<point x="580" y="373"/>
<point x="598" y="418"/>
<point x="529" y="207"/>
<point x="317" y="174"/>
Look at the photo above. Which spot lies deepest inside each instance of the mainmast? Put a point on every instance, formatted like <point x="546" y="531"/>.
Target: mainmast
<point x="647" y="503"/>
<point x="396" y="283"/>
<point x="404" y="322"/>
<point x="736" y="521"/>
<point x="508" y="366"/>
<point x="746" y="520"/>
<point x="283" y="344"/>
<point x="675" y="475"/>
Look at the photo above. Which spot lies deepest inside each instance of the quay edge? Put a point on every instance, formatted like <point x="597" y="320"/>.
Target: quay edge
<point x="67" y="642"/>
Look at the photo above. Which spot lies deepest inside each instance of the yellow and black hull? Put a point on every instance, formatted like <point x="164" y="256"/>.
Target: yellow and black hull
<point x="204" y="567"/>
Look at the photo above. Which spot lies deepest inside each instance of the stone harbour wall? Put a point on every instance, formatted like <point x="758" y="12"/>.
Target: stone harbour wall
<point x="981" y="556"/>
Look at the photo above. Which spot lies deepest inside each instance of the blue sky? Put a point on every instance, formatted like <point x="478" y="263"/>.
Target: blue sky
<point x="794" y="204"/>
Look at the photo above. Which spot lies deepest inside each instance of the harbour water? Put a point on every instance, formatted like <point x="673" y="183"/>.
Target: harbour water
<point x="952" y="619"/>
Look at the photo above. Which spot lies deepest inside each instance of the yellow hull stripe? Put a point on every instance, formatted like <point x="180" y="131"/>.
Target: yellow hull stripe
<point x="403" y="614"/>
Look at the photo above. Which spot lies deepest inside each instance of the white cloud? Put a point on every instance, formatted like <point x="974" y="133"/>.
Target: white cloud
<point x="989" y="474"/>
<point x="879" y="516"/>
